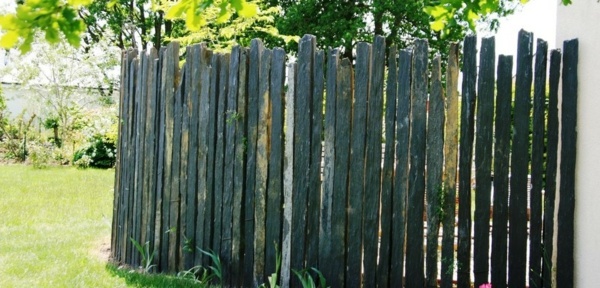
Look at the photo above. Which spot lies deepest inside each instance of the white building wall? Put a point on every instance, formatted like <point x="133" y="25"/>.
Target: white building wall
<point x="580" y="20"/>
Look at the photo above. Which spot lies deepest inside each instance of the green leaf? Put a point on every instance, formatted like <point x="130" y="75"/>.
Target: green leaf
<point x="437" y="25"/>
<point x="9" y="39"/>
<point x="248" y="9"/>
<point x="177" y="10"/>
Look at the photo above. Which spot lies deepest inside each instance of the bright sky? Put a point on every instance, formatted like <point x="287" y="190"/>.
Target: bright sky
<point x="537" y="16"/>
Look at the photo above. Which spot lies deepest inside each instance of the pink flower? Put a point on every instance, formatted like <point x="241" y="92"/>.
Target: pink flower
<point x="485" y="285"/>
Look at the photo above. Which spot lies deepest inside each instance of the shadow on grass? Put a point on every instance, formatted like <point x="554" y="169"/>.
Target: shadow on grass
<point x="137" y="279"/>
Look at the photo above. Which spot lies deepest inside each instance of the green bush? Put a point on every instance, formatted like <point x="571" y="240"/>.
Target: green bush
<point x="100" y="152"/>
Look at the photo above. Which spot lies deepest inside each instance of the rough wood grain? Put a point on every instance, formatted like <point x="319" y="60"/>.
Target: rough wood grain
<point x="288" y="176"/>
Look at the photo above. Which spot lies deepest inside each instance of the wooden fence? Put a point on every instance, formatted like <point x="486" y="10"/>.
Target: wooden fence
<point x="251" y="158"/>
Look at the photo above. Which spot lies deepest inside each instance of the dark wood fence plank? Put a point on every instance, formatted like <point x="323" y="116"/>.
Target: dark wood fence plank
<point x="151" y="144"/>
<point x="416" y="180"/>
<point x="551" y="167"/>
<point x="140" y="121"/>
<point x="288" y="175"/>
<point x="450" y="165"/>
<point x="537" y="165"/>
<point x="231" y="118"/>
<point x="356" y="185"/>
<point x="464" y="162"/>
<point x="343" y="110"/>
<point x="483" y="160"/>
<point x="383" y="267"/>
<point x="302" y="133"/>
<point x="373" y="163"/>
<point x="316" y="150"/>
<point x="219" y="192"/>
<point x="332" y="271"/>
<point x="435" y="169"/>
<point x="566" y="206"/>
<point x="115" y="247"/>
<point x="129" y="167"/>
<point x="256" y="48"/>
<point x="517" y="254"/>
<point x="275" y="186"/>
<point x="160" y="181"/>
<point x="239" y="170"/>
<point x="202" y="230"/>
<point x="501" y="166"/>
<point x="186" y="111"/>
<point x="402" y="161"/>
<point x="262" y="168"/>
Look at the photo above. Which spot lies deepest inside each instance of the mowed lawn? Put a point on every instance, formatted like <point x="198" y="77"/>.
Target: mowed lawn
<point x="55" y="227"/>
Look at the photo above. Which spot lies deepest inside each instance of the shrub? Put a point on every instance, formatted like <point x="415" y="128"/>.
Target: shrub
<point x="100" y="152"/>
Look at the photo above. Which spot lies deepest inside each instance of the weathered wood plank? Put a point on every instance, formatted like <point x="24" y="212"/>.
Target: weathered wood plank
<point x="356" y="184"/>
<point x="402" y="160"/>
<point x="316" y="149"/>
<point x="231" y="119"/>
<point x="160" y="179"/>
<point x="416" y="180"/>
<point x="256" y="48"/>
<point x="450" y="165"/>
<point x="302" y="133"/>
<point x="151" y="145"/>
<point x="435" y="168"/>
<point x="551" y="168"/>
<point x="140" y="121"/>
<point x="566" y="206"/>
<point x="330" y="270"/>
<point x="275" y="185"/>
<point x="130" y="164"/>
<point x="175" y="201"/>
<point x="202" y="230"/>
<point x="537" y="165"/>
<point x="343" y="110"/>
<point x="483" y="160"/>
<point x="219" y="190"/>
<point x="240" y="169"/>
<point x="501" y="169"/>
<point x="464" y="162"/>
<point x="262" y="168"/>
<point x="517" y="254"/>
<point x="373" y="163"/>
<point x="383" y="268"/>
<point x="186" y="111"/>
<point x="211" y="137"/>
<point x="288" y="175"/>
<point x="115" y="236"/>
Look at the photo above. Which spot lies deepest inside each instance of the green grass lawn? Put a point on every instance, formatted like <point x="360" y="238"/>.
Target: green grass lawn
<point x="55" y="227"/>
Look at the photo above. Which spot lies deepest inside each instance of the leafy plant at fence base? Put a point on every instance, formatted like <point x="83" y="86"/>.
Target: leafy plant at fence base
<point x="307" y="280"/>
<point x="147" y="257"/>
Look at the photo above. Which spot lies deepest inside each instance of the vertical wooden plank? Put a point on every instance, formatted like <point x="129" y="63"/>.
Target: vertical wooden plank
<point x="262" y="168"/>
<point x="383" y="268"/>
<point x="175" y="201"/>
<point x="551" y="167"/>
<point x="568" y="142"/>
<point x="211" y="140"/>
<point x="275" y="185"/>
<point x="219" y="191"/>
<point x="435" y="168"/>
<point x="256" y="48"/>
<point x="343" y="110"/>
<point x="416" y="180"/>
<point x="186" y="246"/>
<point x="160" y="180"/>
<point x="450" y="165"/>
<point x="130" y="164"/>
<point x="537" y="165"/>
<point x="501" y="166"/>
<point x="189" y="222"/>
<point x="240" y="169"/>
<point x="402" y="160"/>
<point x="316" y="150"/>
<point x="517" y="254"/>
<point x="204" y="111"/>
<point x="356" y="185"/>
<point x="150" y="147"/>
<point x="483" y="160"/>
<point x="231" y="119"/>
<point x="140" y="193"/>
<point x="373" y="163"/>
<point x="302" y="133"/>
<point x="464" y="163"/>
<point x="168" y="90"/>
<point x="330" y="270"/>
<point x="117" y="184"/>
<point x="288" y="175"/>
